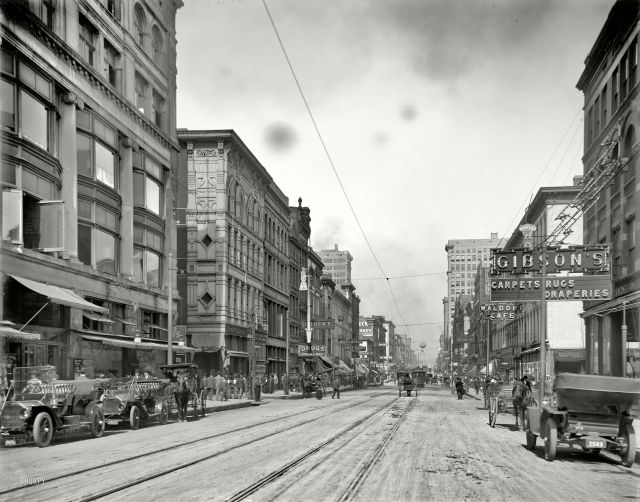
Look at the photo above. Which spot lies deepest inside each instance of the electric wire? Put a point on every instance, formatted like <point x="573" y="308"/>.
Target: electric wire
<point x="328" y="155"/>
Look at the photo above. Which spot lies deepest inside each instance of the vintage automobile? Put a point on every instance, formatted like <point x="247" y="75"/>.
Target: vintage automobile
<point x="134" y="399"/>
<point x="38" y="405"/>
<point x="591" y="411"/>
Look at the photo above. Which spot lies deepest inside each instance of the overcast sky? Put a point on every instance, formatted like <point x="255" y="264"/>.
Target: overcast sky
<point x="442" y="119"/>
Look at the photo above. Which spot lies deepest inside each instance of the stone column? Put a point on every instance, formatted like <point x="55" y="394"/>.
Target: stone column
<point x="69" y="161"/>
<point x="126" y="221"/>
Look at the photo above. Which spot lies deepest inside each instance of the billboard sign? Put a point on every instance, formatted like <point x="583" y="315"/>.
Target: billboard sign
<point x="305" y="350"/>
<point x="579" y="259"/>
<point x="565" y="288"/>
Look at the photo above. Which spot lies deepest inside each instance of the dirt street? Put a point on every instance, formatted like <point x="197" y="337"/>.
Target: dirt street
<point x="368" y="446"/>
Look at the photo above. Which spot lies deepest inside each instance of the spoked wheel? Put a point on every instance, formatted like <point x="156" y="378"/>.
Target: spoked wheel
<point x="42" y="429"/>
<point x="550" y="440"/>
<point x="628" y="452"/>
<point x="134" y="417"/>
<point x="97" y="424"/>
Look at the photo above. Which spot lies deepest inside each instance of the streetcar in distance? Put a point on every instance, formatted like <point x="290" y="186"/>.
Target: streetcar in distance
<point x="419" y="377"/>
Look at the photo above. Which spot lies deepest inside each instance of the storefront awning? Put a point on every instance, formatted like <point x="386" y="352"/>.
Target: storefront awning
<point x="9" y="333"/>
<point x="631" y="300"/>
<point x="205" y="342"/>
<point x="327" y="362"/>
<point x="96" y="317"/>
<point x="343" y="365"/>
<point x="237" y="353"/>
<point x="56" y="294"/>
<point x="139" y="345"/>
<point x="569" y="355"/>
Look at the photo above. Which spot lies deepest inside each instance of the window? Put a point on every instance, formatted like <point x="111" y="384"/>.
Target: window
<point x="146" y="266"/>
<point x="44" y="10"/>
<point x="114" y="7"/>
<point x="112" y="65"/>
<point x="96" y="149"/>
<point x="147" y="187"/>
<point x="603" y="106"/>
<point x="32" y="222"/>
<point x="141" y="87"/>
<point x="157" y="43"/>
<point x="140" y="24"/>
<point x="97" y="236"/>
<point x="87" y="43"/>
<point x="158" y="110"/>
<point x="614" y="91"/>
<point x="26" y="102"/>
<point x="633" y="63"/>
<point x="631" y="245"/>
<point x="623" y="77"/>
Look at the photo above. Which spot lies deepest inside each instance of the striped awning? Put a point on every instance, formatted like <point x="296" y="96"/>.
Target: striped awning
<point x="56" y="294"/>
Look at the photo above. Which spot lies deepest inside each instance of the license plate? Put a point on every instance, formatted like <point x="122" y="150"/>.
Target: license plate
<point x="113" y="422"/>
<point x="10" y="442"/>
<point x="595" y="444"/>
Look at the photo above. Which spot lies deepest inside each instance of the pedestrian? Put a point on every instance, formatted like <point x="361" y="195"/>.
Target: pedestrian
<point x="236" y="385"/>
<point x="271" y="383"/>
<point x="257" y="386"/>
<point x="336" y="387"/>
<point x="209" y="385"/>
<point x="218" y="386"/>
<point x="476" y="385"/>
<point x="275" y="381"/>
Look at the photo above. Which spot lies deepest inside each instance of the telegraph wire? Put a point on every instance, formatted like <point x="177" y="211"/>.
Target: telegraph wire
<point x="398" y="277"/>
<point x="535" y="183"/>
<point x="329" y="158"/>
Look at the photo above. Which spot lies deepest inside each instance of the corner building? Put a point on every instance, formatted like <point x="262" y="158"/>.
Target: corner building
<point x="88" y="149"/>
<point x="612" y="118"/>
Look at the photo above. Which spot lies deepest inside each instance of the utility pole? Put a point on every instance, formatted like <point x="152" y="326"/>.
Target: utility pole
<point x="170" y="313"/>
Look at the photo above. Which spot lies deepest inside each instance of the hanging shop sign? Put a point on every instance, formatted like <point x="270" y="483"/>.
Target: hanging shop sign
<point x="305" y="350"/>
<point x="587" y="259"/>
<point x="325" y="323"/>
<point x="501" y="311"/>
<point x="577" y="288"/>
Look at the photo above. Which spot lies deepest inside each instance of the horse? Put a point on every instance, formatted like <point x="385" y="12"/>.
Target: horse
<point x="522" y="398"/>
<point x="182" y="393"/>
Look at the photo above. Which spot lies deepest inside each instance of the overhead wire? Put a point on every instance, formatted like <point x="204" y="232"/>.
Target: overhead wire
<point x="329" y="158"/>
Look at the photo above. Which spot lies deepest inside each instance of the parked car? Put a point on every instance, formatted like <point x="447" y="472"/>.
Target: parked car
<point x="134" y="399"/>
<point x="38" y="406"/>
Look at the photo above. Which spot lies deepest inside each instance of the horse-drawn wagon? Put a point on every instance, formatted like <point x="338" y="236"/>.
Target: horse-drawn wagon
<point x="406" y="383"/>
<point x="591" y="411"/>
<point x="185" y="389"/>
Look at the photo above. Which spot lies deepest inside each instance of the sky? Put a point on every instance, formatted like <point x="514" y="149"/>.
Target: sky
<point x="422" y="121"/>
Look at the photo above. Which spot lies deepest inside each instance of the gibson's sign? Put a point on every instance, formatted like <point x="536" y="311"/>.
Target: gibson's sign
<point x="590" y="259"/>
<point x="579" y="288"/>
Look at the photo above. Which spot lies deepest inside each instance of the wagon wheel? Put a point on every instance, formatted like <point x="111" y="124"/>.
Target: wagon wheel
<point x="134" y="417"/>
<point x="163" y="417"/>
<point x="628" y="452"/>
<point x="97" y="423"/>
<point x="42" y="429"/>
<point x="551" y="440"/>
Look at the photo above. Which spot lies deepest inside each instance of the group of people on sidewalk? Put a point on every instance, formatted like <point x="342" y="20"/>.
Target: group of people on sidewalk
<point x="225" y="388"/>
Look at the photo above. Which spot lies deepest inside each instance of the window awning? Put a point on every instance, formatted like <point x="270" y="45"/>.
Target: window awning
<point x="9" y="333"/>
<point x="96" y="317"/>
<point x="327" y="362"/>
<point x="126" y="322"/>
<point x="56" y="294"/>
<point x="237" y="353"/>
<point x="343" y="365"/>
<point x="133" y="345"/>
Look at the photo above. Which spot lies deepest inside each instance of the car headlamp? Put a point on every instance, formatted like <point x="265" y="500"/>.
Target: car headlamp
<point x="25" y="413"/>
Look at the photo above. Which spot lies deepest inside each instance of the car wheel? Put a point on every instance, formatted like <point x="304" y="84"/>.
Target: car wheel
<point x="134" y="417"/>
<point x="551" y="440"/>
<point x="628" y="453"/>
<point x="43" y="429"/>
<point x="97" y="423"/>
<point x="164" y="413"/>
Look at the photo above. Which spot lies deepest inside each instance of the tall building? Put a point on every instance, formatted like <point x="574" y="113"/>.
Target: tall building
<point x="463" y="258"/>
<point x="337" y="264"/>
<point x="88" y="148"/>
<point x="611" y="167"/>
<point x="224" y="227"/>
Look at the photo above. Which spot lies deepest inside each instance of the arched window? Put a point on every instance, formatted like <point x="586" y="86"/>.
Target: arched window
<point x="231" y="200"/>
<point x="157" y="46"/>
<point x="238" y="209"/>
<point x="140" y="24"/>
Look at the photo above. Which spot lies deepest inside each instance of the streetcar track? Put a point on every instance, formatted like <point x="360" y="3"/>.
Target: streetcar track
<point x="278" y="473"/>
<point x="187" y="443"/>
